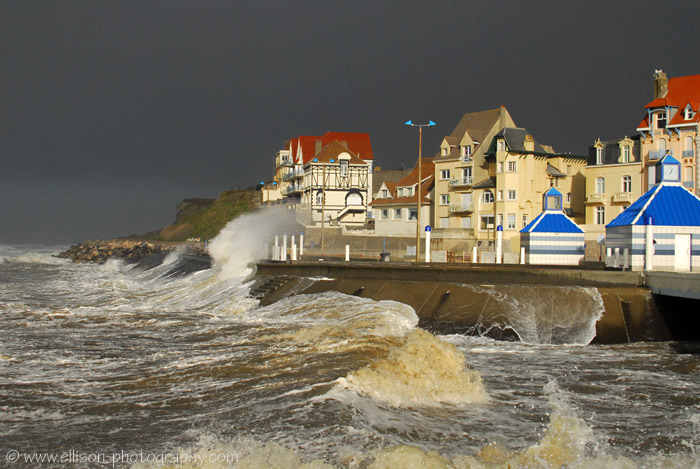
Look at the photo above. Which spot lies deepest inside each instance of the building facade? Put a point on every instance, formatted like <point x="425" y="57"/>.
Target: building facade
<point x="459" y="163"/>
<point x="326" y="179"/>
<point x="613" y="179"/>
<point x="671" y="126"/>
<point x="396" y="207"/>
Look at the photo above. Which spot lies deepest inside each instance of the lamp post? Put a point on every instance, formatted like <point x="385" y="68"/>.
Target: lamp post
<point x="420" y="180"/>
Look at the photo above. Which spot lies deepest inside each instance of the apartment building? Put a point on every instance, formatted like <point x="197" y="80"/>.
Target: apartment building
<point x="613" y="179"/>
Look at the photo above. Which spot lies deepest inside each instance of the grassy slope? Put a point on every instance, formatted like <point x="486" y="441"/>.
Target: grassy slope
<point x="211" y="218"/>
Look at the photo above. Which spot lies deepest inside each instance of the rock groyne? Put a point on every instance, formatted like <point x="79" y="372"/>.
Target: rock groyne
<point x="130" y="250"/>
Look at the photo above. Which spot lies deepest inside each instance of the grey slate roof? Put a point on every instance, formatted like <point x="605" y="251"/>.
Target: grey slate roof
<point x="515" y="138"/>
<point x="478" y="124"/>
<point x="486" y="183"/>
<point x="552" y="171"/>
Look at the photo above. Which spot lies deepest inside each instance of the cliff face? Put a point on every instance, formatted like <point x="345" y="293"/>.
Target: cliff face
<point x="204" y="218"/>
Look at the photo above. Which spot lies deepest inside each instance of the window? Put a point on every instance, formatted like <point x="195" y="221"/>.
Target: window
<point x="525" y="220"/>
<point x="512" y="166"/>
<point x="554" y="182"/>
<point x="688" y="146"/>
<point x="445" y="174"/>
<point x="409" y="191"/>
<point x="445" y="199"/>
<point x="500" y="219"/>
<point x="500" y="145"/>
<point x="412" y="214"/>
<point x="385" y="193"/>
<point x="568" y="170"/>
<point x="661" y="120"/>
<point x="511" y="221"/>
<point x="500" y="167"/>
<point x="600" y="185"/>
<point x="344" y="168"/>
<point x="600" y="215"/>
<point x="652" y="177"/>
<point x="487" y="198"/>
<point x="511" y="195"/>
<point x="444" y="151"/>
<point x="688" y="112"/>
<point x="487" y="222"/>
<point x="499" y="196"/>
<point x="384" y="214"/>
<point x="598" y="156"/>
<point x="626" y="183"/>
<point x="568" y="197"/>
<point x="397" y="214"/>
<point x="626" y="154"/>
<point x="319" y="198"/>
<point x="689" y="174"/>
<point x="466" y="151"/>
<point x="467" y="223"/>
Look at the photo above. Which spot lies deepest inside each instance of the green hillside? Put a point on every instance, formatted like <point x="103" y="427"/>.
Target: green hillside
<point x="204" y="218"/>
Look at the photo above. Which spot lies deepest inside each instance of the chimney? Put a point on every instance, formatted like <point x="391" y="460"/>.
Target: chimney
<point x="660" y="84"/>
<point x="319" y="147"/>
<point x="529" y="143"/>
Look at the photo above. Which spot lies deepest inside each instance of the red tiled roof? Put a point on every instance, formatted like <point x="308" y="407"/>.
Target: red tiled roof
<point x="428" y="176"/>
<point x="331" y="152"/>
<point x="680" y="91"/>
<point x="358" y="143"/>
<point x="680" y="119"/>
<point x="307" y="143"/>
<point x="644" y="124"/>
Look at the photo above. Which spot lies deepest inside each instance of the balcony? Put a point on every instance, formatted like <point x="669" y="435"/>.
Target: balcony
<point x="688" y="184"/>
<point x="463" y="182"/>
<point x="461" y="208"/>
<point x="293" y="188"/>
<point x="688" y="153"/>
<point x="296" y="173"/>
<point x="284" y="162"/>
<point x="658" y="154"/>
<point x="595" y="199"/>
<point x="622" y="197"/>
<point x="467" y="159"/>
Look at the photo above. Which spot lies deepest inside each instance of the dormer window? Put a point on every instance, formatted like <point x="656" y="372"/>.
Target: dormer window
<point x="626" y="153"/>
<point x="688" y="113"/>
<point x="444" y="151"/>
<point x="598" y="156"/>
<point x="344" y="164"/>
<point x="661" y="120"/>
<point x="466" y="151"/>
<point x="500" y="145"/>
<point x="385" y="193"/>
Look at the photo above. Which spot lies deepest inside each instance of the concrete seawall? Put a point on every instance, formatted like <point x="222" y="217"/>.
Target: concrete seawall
<point x="496" y="301"/>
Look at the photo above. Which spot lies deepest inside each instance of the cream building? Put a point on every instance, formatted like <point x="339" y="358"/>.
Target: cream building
<point x="520" y="171"/>
<point x="460" y="163"/>
<point x="672" y="126"/>
<point x="613" y="180"/>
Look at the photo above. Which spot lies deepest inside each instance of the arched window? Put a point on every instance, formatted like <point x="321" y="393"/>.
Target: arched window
<point x="626" y="183"/>
<point x="661" y="145"/>
<point x="353" y="199"/>
<point x="488" y="197"/>
<point x="600" y="185"/>
<point x="688" y="147"/>
<point x="626" y="154"/>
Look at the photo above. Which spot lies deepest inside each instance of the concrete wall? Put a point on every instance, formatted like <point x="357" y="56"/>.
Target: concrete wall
<point x="471" y="301"/>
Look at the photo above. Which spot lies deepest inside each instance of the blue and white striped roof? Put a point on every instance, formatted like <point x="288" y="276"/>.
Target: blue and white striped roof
<point x="551" y="222"/>
<point x="667" y="204"/>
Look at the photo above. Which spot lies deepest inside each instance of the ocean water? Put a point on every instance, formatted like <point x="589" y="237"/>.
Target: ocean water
<point x="115" y="366"/>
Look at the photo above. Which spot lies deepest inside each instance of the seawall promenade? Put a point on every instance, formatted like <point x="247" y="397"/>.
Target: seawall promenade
<point x="490" y="299"/>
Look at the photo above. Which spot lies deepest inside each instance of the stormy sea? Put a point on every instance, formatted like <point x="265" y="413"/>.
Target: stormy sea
<point x="128" y="365"/>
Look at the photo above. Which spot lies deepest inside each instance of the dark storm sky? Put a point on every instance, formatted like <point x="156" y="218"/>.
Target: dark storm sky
<point x="112" y="112"/>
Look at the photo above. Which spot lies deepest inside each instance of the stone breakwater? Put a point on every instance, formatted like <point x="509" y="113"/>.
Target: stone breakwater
<point x="100" y="251"/>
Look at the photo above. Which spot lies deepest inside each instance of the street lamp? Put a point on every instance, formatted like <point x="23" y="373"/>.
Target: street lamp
<point x="420" y="177"/>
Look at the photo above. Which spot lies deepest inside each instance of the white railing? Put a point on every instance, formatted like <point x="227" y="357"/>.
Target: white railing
<point x="688" y="184"/>
<point x="595" y="198"/>
<point x="460" y="208"/>
<point x="622" y="197"/>
<point x="657" y="154"/>
<point x="688" y="153"/>
<point x="465" y="181"/>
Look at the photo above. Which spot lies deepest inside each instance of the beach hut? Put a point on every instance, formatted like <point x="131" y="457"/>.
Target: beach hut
<point x="552" y="237"/>
<point x="661" y="230"/>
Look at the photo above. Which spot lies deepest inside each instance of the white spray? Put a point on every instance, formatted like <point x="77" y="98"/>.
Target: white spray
<point x="243" y="240"/>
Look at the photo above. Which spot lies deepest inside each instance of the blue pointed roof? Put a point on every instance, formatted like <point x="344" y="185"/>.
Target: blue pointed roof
<point x="551" y="222"/>
<point x="552" y="191"/>
<point x="668" y="159"/>
<point x="667" y="204"/>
